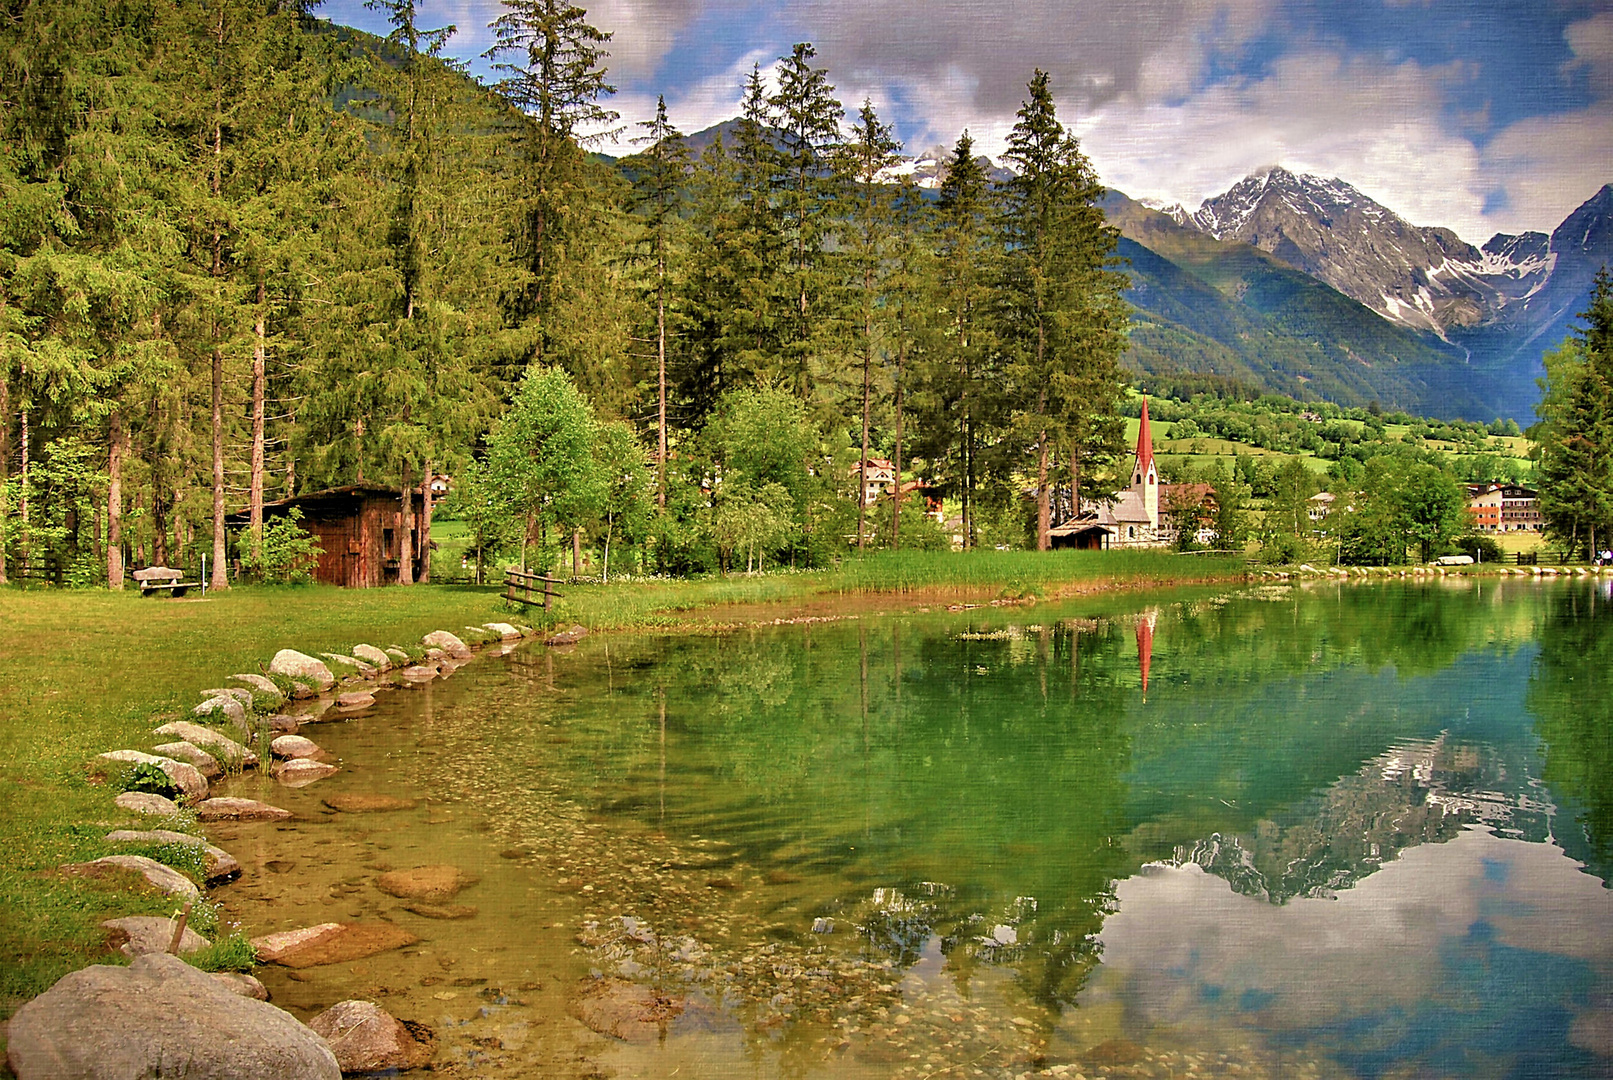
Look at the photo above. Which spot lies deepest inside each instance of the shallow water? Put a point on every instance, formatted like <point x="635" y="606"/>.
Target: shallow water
<point x="1332" y="831"/>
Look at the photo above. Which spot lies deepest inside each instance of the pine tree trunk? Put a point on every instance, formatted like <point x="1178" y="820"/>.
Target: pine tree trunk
<point x="576" y="554"/>
<point x="406" y="531"/>
<point x="114" y="503"/>
<point x="862" y="466"/>
<point x="22" y="491"/>
<point x="660" y="350"/>
<point x="1044" y="523"/>
<point x="220" y="579"/>
<point x="896" y="463"/>
<point x="159" y="490"/>
<point x="255" y="497"/>
<point x="425" y="523"/>
<point x="5" y="464"/>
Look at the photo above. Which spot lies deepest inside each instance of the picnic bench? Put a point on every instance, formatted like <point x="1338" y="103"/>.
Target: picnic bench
<point x="520" y="585"/>
<point x="155" y="580"/>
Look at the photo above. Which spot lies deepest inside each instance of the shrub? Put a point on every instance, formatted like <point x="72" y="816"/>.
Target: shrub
<point x="287" y="555"/>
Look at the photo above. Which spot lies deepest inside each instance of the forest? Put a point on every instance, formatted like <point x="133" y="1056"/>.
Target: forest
<point x="246" y="254"/>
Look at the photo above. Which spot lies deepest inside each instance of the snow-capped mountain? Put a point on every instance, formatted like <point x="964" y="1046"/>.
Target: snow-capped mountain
<point x="1422" y="277"/>
<point x="929" y="169"/>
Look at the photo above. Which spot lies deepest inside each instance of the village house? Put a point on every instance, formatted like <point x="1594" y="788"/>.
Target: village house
<point x="360" y="531"/>
<point x="879" y="479"/>
<point x="1503" y="508"/>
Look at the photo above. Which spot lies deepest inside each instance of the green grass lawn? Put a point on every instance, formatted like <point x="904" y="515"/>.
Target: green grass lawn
<point x="82" y="672"/>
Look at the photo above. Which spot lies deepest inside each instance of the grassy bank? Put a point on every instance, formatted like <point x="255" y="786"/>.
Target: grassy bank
<point x="85" y="672"/>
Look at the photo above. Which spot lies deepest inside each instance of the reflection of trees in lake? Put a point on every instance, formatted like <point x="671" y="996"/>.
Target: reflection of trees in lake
<point x="1571" y="697"/>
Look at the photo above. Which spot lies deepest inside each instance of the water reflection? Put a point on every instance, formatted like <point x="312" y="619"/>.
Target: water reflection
<point x="1322" y="830"/>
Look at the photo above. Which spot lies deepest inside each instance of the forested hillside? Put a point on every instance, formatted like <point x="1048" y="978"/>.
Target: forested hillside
<point x="246" y="254"/>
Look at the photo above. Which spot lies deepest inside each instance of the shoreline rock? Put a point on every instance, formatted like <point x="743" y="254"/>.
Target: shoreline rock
<point x="213" y="742"/>
<point x="366" y="1038"/>
<point x="228" y="808"/>
<point x="187" y="778"/>
<point x="448" y="643"/>
<point x="331" y="943"/>
<point x="159" y="1017"/>
<point x="291" y="664"/>
<point x="164" y="879"/>
<point x="138" y="935"/>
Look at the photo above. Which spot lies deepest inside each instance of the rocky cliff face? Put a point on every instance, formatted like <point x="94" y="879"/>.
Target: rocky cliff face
<point x="1422" y="277"/>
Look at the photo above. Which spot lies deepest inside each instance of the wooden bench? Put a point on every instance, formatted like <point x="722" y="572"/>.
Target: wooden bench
<point x="163" y="579"/>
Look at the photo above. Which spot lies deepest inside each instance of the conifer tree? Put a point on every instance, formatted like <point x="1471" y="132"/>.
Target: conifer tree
<point x="659" y="196"/>
<point x="551" y="61"/>
<point x="1062" y="321"/>
<point x="958" y="398"/>
<point x="1575" y="433"/>
<point x="871" y="150"/>
<point x="806" y="117"/>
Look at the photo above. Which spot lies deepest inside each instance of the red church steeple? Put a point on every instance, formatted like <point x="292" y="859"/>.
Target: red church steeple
<point x="1145" y="446"/>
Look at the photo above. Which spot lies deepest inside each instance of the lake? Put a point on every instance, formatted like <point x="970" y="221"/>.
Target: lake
<point x="1336" y="831"/>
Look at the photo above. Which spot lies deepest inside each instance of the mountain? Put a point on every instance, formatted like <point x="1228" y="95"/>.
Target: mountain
<point x="1421" y="277"/>
<point x="1503" y="304"/>
<point x="1228" y="309"/>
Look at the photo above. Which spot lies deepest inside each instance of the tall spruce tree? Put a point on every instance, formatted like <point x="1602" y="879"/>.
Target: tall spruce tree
<point x="551" y="60"/>
<point x="661" y="176"/>
<point x="806" y="117"/>
<point x="1575" y="433"/>
<point x="960" y="399"/>
<point x="1060" y="314"/>
<point x="871" y="150"/>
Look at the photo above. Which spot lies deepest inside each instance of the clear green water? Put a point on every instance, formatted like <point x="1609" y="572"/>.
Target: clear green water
<point x="1347" y="831"/>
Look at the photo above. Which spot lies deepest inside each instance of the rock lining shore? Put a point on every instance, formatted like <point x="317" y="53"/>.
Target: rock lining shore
<point x="161" y="1015"/>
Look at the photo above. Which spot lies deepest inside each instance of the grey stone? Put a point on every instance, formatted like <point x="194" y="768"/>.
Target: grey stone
<point x="448" y="643"/>
<point x="184" y="776"/>
<point x="374" y="657"/>
<point x="567" y="637"/>
<point x="221" y="746"/>
<point x="144" y="802"/>
<point x="206" y="763"/>
<point x="300" y="772"/>
<point x="246" y="986"/>
<point x="294" y="746"/>
<point x="293" y="664"/>
<point x="236" y="692"/>
<point x="502" y="629"/>
<point x="159" y="1018"/>
<point x="226" y="708"/>
<point x="263" y="688"/>
<point x="347" y="665"/>
<point x="365" y="1038"/>
<point x="162" y="878"/>
<point x="137" y="935"/>
<point x="219" y="864"/>
<point x="398" y="654"/>
<point x="233" y="809"/>
<point x="419" y="673"/>
<point x="355" y="699"/>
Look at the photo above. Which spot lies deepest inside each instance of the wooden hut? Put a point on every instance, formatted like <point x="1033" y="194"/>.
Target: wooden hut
<point x="360" y="528"/>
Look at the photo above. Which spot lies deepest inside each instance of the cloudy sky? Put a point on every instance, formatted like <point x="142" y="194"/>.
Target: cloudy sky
<point x="1481" y="115"/>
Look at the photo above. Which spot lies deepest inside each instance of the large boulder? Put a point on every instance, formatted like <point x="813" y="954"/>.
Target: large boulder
<point x="365" y="1038"/>
<point x="358" y="803"/>
<point x="503" y="630"/>
<point x="448" y="643"/>
<point x="164" y="879"/>
<point x="302" y="668"/>
<point x="331" y="943"/>
<point x="205" y="763"/>
<point x="227" y="808"/>
<point x="159" y="1018"/>
<point x="137" y="935"/>
<point x="300" y="772"/>
<point x="221" y="746"/>
<point x="144" y="802"/>
<point x="432" y="883"/>
<point x="263" y="689"/>
<point x="219" y="865"/>
<point x="372" y="656"/>
<point x="221" y="707"/>
<point x="344" y="666"/>
<point x="294" y="746"/>
<point x="184" y="777"/>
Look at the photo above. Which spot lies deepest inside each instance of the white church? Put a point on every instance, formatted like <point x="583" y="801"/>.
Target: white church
<point x="1131" y="518"/>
